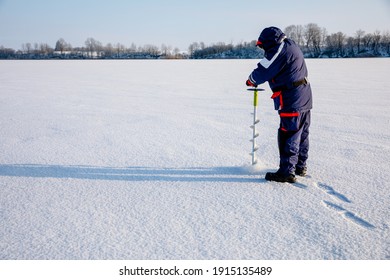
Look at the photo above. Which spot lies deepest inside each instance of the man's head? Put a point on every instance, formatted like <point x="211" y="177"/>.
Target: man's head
<point x="270" y="37"/>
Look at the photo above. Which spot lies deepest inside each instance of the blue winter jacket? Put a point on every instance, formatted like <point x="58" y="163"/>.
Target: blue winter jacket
<point x="283" y="66"/>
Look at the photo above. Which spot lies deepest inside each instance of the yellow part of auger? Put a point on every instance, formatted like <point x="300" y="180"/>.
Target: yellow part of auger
<point x="255" y="98"/>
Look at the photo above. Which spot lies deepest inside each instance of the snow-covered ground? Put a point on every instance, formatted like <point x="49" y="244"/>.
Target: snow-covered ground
<point x="150" y="160"/>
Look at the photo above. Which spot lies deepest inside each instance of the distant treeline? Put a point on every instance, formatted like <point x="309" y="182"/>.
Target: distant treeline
<point x="314" y="41"/>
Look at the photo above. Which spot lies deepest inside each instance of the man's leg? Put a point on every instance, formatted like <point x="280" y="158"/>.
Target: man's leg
<point x="304" y="144"/>
<point x="288" y="142"/>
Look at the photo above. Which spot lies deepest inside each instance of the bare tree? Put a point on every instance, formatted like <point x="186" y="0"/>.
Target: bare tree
<point x="133" y="48"/>
<point x="6" y="52"/>
<point x="376" y="38"/>
<point x="62" y="46"/>
<point x="109" y="50"/>
<point x="193" y="48"/>
<point x="119" y="49"/>
<point x="151" y="50"/>
<point x="176" y="52"/>
<point x="367" y="40"/>
<point x="313" y="35"/>
<point x="36" y="48"/>
<point x="335" y="43"/>
<point x="166" y="50"/>
<point x="26" y="48"/>
<point x="359" y="36"/>
<point x="385" y="42"/>
<point x="93" y="47"/>
<point x="45" y="49"/>
<point x="350" y="46"/>
<point x="295" y="32"/>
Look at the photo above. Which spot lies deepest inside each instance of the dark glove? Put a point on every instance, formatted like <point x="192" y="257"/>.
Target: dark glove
<point x="250" y="84"/>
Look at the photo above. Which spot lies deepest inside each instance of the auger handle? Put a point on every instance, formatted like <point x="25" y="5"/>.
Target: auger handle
<point x="255" y="91"/>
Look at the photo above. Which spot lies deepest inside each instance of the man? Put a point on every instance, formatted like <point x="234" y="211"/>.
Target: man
<point x="284" y="68"/>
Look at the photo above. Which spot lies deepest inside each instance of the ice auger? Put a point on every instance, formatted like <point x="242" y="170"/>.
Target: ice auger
<point x="255" y="134"/>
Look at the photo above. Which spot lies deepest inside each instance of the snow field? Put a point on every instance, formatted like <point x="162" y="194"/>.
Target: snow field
<point x="150" y="160"/>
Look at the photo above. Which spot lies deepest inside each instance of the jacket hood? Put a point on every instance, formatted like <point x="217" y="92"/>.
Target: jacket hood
<point x="270" y="37"/>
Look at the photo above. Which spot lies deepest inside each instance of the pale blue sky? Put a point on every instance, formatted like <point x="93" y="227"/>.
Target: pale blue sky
<point x="177" y="22"/>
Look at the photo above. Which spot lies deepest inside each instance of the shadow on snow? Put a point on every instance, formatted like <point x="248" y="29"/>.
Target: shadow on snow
<point x="196" y="174"/>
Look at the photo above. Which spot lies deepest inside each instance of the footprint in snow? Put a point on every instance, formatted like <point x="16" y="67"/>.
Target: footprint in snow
<point x="347" y="215"/>
<point x="329" y="190"/>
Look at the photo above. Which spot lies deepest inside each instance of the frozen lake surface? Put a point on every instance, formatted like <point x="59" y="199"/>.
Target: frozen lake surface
<point x="150" y="160"/>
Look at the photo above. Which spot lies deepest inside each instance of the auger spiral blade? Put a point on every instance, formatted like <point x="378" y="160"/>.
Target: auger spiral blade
<point x="253" y="126"/>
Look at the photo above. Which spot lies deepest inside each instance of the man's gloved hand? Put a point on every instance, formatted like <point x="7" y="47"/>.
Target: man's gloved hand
<point x="250" y="84"/>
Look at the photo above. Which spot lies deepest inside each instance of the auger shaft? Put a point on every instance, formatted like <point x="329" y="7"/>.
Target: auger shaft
<point x="253" y="126"/>
<point x="254" y="148"/>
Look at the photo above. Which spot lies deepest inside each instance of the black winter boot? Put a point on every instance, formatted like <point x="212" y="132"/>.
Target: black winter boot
<point x="301" y="171"/>
<point x="278" y="177"/>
